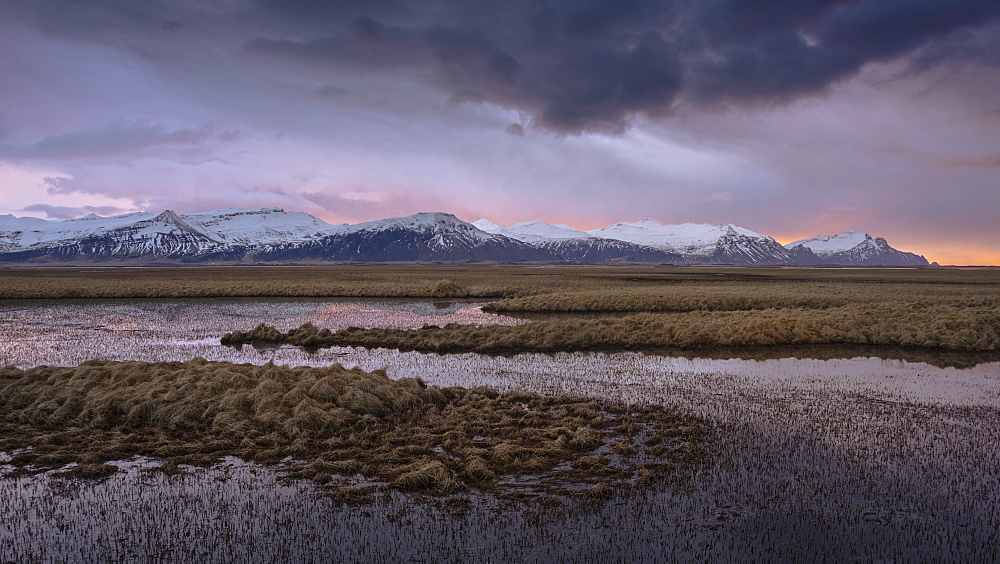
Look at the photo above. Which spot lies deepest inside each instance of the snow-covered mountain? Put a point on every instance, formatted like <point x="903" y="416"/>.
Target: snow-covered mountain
<point x="533" y="231"/>
<point x="578" y="246"/>
<point x="271" y="235"/>
<point x="259" y="226"/>
<point x="717" y="244"/>
<point x="422" y="237"/>
<point x="826" y="245"/>
<point x="25" y="232"/>
<point x="122" y="237"/>
<point x="857" y="248"/>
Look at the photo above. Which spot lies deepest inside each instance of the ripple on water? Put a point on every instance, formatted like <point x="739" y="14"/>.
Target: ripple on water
<point x="856" y="458"/>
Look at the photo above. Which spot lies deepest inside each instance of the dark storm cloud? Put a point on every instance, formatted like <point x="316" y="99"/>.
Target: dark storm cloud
<point x="116" y="21"/>
<point x="572" y="65"/>
<point x="592" y="66"/>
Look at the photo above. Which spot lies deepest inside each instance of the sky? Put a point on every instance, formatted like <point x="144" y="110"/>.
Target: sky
<point x="793" y="118"/>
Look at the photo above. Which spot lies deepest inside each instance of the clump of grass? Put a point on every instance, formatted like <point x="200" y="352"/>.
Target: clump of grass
<point x="947" y="327"/>
<point x="90" y="471"/>
<point x="351" y="431"/>
<point x="448" y="289"/>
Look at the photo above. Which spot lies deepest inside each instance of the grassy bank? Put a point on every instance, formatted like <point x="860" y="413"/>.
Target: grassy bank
<point x="353" y="431"/>
<point x="944" y="327"/>
<point x="943" y="309"/>
<point x="522" y="288"/>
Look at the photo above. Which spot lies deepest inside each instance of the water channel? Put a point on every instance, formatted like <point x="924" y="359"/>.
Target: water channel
<point x="857" y="457"/>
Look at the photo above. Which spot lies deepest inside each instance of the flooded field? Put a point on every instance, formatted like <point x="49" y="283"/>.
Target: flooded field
<point x="853" y="458"/>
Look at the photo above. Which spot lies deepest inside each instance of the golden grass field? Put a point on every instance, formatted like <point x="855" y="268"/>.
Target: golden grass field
<point x="675" y="307"/>
<point x="336" y="424"/>
<point x="527" y="288"/>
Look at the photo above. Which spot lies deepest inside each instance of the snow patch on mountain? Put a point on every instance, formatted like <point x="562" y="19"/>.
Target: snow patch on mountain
<point x="23" y="232"/>
<point x="858" y="249"/>
<point x="434" y="222"/>
<point x="271" y="234"/>
<point x="259" y="226"/>
<point x="532" y="231"/>
<point x="687" y="238"/>
<point x="825" y="245"/>
<point x="487" y="225"/>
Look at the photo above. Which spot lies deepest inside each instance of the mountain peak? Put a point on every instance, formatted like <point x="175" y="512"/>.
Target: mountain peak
<point x="271" y="234"/>
<point x="167" y="215"/>
<point x="435" y="217"/>
<point x="429" y="219"/>
<point x="533" y="231"/>
<point x="857" y="248"/>
<point x="259" y="226"/>
<point x="436" y="222"/>
<point x="647" y="223"/>
<point x="829" y="244"/>
<point x="239" y="211"/>
<point x="486" y="225"/>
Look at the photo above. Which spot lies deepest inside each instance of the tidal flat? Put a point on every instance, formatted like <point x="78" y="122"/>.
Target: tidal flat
<point x="850" y="457"/>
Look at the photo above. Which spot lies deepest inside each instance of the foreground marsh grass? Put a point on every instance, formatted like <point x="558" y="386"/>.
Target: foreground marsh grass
<point x="898" y="458"/>
<point x="355" y="431"/>
<point x="802" y="470"/>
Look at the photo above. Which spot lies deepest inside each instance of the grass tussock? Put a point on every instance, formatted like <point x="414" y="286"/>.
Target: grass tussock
<point x="353" y="431"/>
<point x="448" y="289"/>
<point x="947" y="328"/>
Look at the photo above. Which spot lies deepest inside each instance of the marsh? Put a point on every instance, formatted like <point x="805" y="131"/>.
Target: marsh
<point x="894" y="454"/>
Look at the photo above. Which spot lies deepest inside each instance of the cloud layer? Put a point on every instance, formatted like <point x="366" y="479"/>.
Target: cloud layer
<point x="790" y="117"/>
<point x="594" y="65"/>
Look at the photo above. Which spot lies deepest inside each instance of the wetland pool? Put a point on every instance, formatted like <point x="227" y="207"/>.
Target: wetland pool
<point x="853" y="458"/>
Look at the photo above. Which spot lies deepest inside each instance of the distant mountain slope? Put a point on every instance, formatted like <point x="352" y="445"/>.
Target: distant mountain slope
<point x="856" y="248"/>
<point x="715" y="244"/>
<point x="423" y="237"/>
<point x="608" y="251"/>
<point x="271" y="235"/>
<point x="24" y="232"/>
<point x="259" y="226"/>
<point x="579" y="246"/>
<point x="533" y="231"/>
<point x="163" y="236"/>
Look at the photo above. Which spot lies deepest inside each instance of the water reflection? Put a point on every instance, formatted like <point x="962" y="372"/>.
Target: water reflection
<point x="855" y="458"/>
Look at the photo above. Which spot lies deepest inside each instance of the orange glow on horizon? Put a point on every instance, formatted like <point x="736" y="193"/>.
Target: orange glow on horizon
<point x="945" y="253"/>
<point x="942" y="253"/>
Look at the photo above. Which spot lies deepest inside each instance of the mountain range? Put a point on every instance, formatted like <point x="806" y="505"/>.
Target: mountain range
<point x="274" y="236"/>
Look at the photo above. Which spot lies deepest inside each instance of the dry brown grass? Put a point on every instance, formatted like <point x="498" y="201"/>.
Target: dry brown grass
<point x="945" y="327"/>
<point x="353" y="431"/>
<point x="945" y="309"/>
<point x="556" y="288"/>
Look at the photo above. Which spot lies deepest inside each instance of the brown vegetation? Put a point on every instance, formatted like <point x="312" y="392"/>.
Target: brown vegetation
<point x="943" y="309"/>
<point x="944" y="327"/>
<point x="353" y="431"/>
<point x="553" y="288"/>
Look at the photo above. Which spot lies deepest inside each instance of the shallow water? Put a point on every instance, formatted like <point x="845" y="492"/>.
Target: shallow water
<point x="858" y="458"/>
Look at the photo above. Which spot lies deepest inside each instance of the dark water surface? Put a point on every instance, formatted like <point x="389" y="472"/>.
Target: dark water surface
<point x="853" y="458"/>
